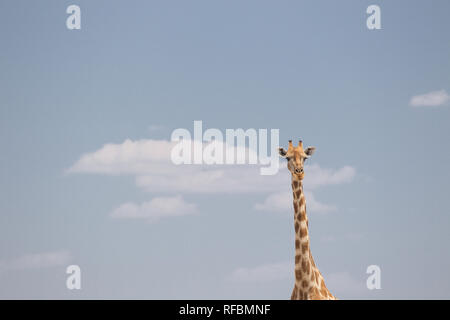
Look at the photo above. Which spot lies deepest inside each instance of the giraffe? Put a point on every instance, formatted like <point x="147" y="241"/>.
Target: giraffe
<point x="309" y="282"/>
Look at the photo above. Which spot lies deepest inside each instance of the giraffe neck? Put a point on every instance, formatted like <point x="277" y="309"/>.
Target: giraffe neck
<point x="303" y="256"/>
<point x="309" y="283"/>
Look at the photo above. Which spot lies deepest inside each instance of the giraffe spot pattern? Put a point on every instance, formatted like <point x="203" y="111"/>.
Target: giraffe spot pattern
<point x="303" y="232"/>
<point x="302" y="201"/>
<point x="304" y="283"/>
<point x="309" y="281"/>
<point x="304" y="265"/>
<point x="304" y="247"/>
<point x="294" y="293"/>
<point x="302" y="217"/>
<point x="298" y="274"/>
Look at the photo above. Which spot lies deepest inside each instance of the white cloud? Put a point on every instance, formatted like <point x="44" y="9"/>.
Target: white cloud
<point x="431" y="99"/>
<point x="315" y="206"/>
<point x="155" y="209"/>
<point x="129" y="157"/>
<point x="282" y="201"/>
<point x="149" y="162"/>
<point x="37" y="261"/>
<point x="317" y="176"/>
<point x="209" y="179"/>
<point x="263" y="273"/>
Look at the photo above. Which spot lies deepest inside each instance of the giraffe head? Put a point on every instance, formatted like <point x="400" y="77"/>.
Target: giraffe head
<point x="296" y="157"/>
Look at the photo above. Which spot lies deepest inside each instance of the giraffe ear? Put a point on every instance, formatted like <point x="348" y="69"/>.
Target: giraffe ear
<point x="282" y="152"/>
<point x="310" y="150"/>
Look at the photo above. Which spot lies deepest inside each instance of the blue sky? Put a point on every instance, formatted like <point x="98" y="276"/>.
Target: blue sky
<point x="374" y="103"/>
